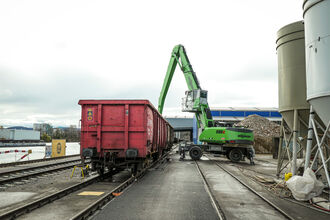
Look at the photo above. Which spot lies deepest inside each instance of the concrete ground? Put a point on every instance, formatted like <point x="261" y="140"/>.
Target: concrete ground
<point x="177" y="192"/>
<point x="257" y="177"/>
<point x="235" y="200"/>
<point x="8" y="199"/>
<point x="19" y="193"/>
<point x="68" y="206"/>
<point x="174" y="191"/>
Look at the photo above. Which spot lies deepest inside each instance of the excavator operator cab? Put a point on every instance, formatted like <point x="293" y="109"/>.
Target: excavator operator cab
<point x="193" y="100"/>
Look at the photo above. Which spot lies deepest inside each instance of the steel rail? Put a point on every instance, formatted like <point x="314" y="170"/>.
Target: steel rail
<point x="27" y="176"/>
<point x="287" y="216"/>
<point x="215" y="204"/>
<point x="36" y="167"/>
<point x="97" y="205"/>
<point x="287" y="199"/>
<point x="12" y="214"/>
<point x="35" y="161"/>
<point x="306" y="206"/>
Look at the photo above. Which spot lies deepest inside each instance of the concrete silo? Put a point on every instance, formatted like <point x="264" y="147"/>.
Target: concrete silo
<point x="317" y="45"/>
<point x="317" y="34"/>
<point x="292" y="89"/>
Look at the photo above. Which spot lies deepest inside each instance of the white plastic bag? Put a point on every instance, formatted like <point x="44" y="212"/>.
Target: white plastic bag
<point x="300" y="164"/>
<point x="305" y="187"/>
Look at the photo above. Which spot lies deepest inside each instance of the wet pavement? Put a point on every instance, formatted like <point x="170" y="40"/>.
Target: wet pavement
<point x="70" y="205"/>
<point x="266" y="168"/>
<point x="234" y="199"/>
<point x="10" y="198"/>
<point x="36" y="188"/>
<point x="173" y="191"/>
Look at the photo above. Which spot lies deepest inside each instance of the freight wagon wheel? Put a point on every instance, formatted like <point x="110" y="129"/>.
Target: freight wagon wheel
<point x="136" y="167"/>
<point x="146" y="163"/>
<point x="235" y="155"/>
<point x="100" y="171"/>
<point x="155" y="156"/>
<point x="195" y="153"/>
<point x="93" y="166"/>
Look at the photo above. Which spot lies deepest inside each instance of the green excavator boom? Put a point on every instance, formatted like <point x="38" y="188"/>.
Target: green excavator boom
<point x="200" y="106"/>
<point x="196" y="102"/>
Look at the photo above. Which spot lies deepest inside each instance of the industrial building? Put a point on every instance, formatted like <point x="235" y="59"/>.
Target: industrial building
<point x="186" y="128"/>
<point x="183" y="128"/>
<point x="44" y="128"/>
<point x="236" y="114"/>
<point x="7" y="135"/>
<point x="19" y="138"/>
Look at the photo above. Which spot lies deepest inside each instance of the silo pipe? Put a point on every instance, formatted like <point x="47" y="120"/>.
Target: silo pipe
<point x="294" y="145"/>
<point x="309" y="138"/>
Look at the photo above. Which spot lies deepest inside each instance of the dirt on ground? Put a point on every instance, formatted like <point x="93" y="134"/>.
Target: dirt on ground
<point x="263" y="130"/>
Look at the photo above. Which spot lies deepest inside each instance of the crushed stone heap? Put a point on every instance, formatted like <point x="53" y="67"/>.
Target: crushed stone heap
<point x="263" y="130"/>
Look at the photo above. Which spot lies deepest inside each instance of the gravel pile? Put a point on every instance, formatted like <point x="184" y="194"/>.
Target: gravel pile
<point x="263" y="130"/>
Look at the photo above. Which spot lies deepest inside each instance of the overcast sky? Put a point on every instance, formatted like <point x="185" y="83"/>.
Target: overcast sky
<point x="53" y="53"/>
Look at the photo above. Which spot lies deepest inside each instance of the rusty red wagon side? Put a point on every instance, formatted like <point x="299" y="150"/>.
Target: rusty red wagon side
<point x="122" y="133"/>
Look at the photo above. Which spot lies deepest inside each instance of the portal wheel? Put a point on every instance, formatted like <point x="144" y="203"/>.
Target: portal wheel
<point x="235" y="155"/>
<point x="195" y="153"/>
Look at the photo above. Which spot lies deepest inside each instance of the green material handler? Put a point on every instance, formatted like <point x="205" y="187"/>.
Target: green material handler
<point x="234" y="142"/>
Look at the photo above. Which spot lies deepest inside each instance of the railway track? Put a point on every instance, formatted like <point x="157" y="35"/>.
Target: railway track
<point x="214" y="202"/>
<point x="97" y="205"/>
<point x="2" y="165"/>
<point x="14" y="213"/>
<point x="88" y="211"/>
<point x="27" y="173"/>
<point x="291" y="200"/>
<point x="221" y="213"/>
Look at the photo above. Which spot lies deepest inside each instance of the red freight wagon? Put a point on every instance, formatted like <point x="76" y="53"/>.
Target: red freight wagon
<point x="122" y="133"/>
